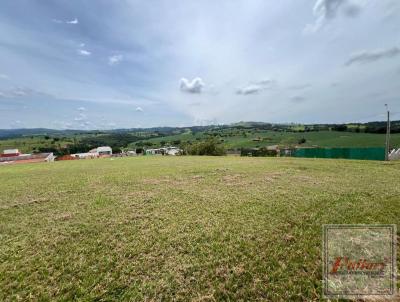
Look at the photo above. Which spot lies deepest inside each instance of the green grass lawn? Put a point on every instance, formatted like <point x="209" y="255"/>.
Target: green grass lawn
<point x="181" y="228"/>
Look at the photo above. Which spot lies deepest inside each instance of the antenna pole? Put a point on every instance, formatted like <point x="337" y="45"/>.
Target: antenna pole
<point x="387" y="145"/>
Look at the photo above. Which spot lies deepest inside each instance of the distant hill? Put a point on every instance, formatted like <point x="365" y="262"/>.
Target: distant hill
<point x="369" y="127"/>
<point x="234" y="136"/>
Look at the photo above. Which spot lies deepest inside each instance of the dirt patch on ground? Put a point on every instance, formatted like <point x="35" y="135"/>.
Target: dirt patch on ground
<point x="241" y="179"/>
<point x="139" y="195"/>
<point x="268" y="177"/>
<point x="26" y="203"/>
<point x="306" y="179"/>
<point x="221" y="169"/>
<point x="232" y="177"/>
<point x="236" y="180"/>
<point x="163" y="181"/>
<point x="64" y="216"/>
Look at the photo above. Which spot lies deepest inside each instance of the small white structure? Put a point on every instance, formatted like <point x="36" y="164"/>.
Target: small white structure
<point x="26" y="158"/>
<point x="154" y="151"/>
<point x="394" y="155"/>
<point x="164" y="151"/>
<point x="173" y="151"/>
<point x="11" y="151"/>
<point x="104" y="150"/>
<point x="131" y="153"/>
<point x="94" y="153"/>
<point x="88" y="155"/>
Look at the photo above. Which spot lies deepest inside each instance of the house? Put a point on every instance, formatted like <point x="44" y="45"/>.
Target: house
<point x="131" y="153"/>
<point x="87" y="155"/>
<point x="26" y="158"/>
<point x="104" y="151"/>
<point x="155" y="151"/>
<point x="10" y="152"/>
<point x="394" y="154"/>
<point x="173" y="151"/>
<point x="164" y="151"/>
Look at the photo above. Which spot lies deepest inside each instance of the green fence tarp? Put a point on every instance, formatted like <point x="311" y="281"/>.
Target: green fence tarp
<point x="348" y="153"/>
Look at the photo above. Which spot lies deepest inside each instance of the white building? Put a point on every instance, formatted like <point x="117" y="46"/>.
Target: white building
<point x="104" y="150"/>
<point x="11" y="152"/>
<point x="155" y="151"/>
<point x="131" y="153"/>
<point x="173" y="151"/>
<point x="88" y="155"/>
<point x="94" y="153"/>
<point x="164" y="151"/>
<point x="394" y="154"/>
<point x="26" y="158"/>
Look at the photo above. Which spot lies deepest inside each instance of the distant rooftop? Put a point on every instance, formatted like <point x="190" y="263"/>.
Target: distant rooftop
<point x="25" y="157"/>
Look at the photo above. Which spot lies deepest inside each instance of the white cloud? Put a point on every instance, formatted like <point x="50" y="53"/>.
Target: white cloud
<point x="17" y="124"/>
<point x="58" y="21"/>
<point x="17" y="92"/>
<point x="84" y="52"/>
<point x="75" y="21"/>
<point x="325" y="10"/>
<point x="114" y="60"/>
<point x="255" y="87"/>
<point x="4" y="76"/>
<point x="81" y="109"/>
<point x="194" y="86"/>
<point x="139" y="109"/>
<point x="250" y="89"/>
<point x="373" y="55"/>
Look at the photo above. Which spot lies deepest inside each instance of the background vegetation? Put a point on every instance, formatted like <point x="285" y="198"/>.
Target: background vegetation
<point x="229" y="137"/>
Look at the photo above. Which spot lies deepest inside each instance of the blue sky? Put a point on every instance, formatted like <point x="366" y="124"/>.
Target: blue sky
<point x="117" y="64"/>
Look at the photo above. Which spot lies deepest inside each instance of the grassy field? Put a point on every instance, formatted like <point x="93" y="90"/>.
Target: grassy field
<point x="246" y="139"/>
<point x="181" y="228"/>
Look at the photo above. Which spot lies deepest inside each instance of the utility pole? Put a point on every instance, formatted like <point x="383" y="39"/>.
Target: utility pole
<point x="387" y="146"/>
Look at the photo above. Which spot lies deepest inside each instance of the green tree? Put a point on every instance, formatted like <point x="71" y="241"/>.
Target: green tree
<point x="208" y="147"/>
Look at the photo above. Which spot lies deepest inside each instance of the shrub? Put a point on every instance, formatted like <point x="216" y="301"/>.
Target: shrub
<point x="116" y="150"/>
<point x="208" y="147"/>
<point x="339" y="128"/>
<point x="258" y="152"/>
<point x="302" y="141"/>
